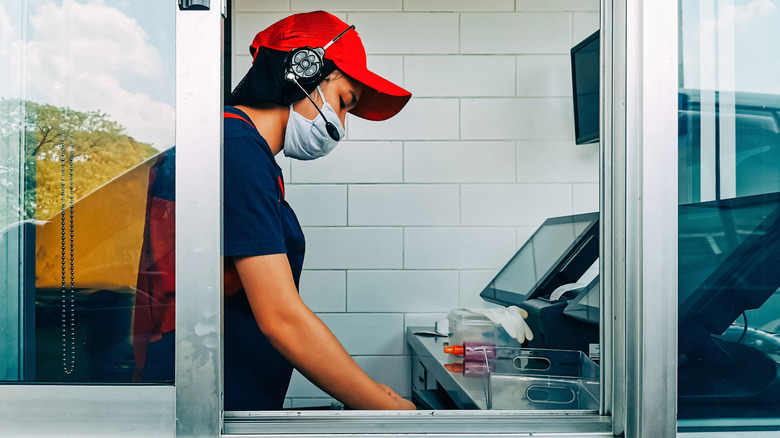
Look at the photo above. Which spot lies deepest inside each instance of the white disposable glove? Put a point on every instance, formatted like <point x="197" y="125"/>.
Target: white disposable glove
<point x="512" y="318"/>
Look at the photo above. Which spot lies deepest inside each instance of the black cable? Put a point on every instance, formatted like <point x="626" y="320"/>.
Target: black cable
<point x="330" y="127"/>
<point x="745" y="329"/>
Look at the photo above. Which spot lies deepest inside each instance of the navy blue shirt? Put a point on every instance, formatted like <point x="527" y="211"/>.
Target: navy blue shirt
<point x="257" y="221"/>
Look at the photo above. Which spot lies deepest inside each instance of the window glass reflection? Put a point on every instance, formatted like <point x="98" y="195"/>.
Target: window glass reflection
<point x="86" y="105"/>
<point x="729" y="214"/>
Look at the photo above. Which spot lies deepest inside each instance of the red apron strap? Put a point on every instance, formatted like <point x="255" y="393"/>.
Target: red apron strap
<point x="236" y="116"/>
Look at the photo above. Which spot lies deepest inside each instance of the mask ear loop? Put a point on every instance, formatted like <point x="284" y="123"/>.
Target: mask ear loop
<point x="330" y="127"/>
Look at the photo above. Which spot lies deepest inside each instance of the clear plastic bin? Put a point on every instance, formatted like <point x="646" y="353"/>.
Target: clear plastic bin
<point x="469" y="326"/>
<point x="538" y="379"/>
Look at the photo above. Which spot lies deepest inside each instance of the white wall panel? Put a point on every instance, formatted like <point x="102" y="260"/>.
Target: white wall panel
<point x="459" y="162"/>
<point x="557" y="161"/>
<point x="513" y="119"/>
<point x="459" y="5"/>
<point x="457" y="248"/>
<point x="408" y="32"/>
<point x="543" y="75"/>
<point x="532" y="32"/>
<point x="513" y="204"/>
<point x="324" y="291"/>
<point x="558" y="5"/>
<point x="346" y="5"/>
<point x="584" y="24"/>
<point x="365" y="334"/>
<point x="401" y="291"/>
<point x="459" y="76"/>
<point x="404" y="204"/>
<point x="390" y="67"/>
<point x="357" y="248"/>
<point x="318" y="204"/>
<point x="586" y="197"/>
<point x="261" y="5"/>
<point x="353" y="162"/>
<point x="471" y="284"/>
<point x="421" y="119"/>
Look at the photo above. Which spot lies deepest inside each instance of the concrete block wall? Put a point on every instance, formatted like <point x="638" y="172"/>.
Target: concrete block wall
<point x="411" y="217"/>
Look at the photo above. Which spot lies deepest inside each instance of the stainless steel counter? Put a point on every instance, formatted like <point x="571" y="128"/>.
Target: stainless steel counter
<point x="432" y="385"/>
<point x="527" y="379"/>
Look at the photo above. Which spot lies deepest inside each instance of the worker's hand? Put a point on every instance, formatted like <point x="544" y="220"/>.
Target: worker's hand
<point x="402" y="403"/>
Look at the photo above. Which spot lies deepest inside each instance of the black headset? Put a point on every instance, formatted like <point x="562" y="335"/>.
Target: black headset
<point x="304" y="66"/>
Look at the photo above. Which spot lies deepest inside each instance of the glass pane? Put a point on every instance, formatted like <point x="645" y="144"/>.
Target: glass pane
<point x="729" y="214"/>
<point x="350" y="273"/>
<point x="86" y="112"/>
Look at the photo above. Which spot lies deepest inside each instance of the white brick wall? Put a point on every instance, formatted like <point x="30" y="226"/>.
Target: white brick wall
<point x="467" y="76"/>
<point x="517" y="118"/>
<point x="324" y="291"/>
<point x="412" y="217"/>
<point x="404" y="204"/>
<point x="351" y="162"/>
<point x="401" y="291"/>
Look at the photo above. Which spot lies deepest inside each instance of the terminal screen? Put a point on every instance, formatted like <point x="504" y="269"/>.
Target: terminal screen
<point x="538" y="257"/>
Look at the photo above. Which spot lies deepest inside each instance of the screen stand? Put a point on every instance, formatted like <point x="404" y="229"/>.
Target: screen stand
<point x="727" y="379"/>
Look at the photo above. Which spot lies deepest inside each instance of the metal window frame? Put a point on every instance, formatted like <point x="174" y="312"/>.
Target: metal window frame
<point x="639" y="260"/>
<point x="199" y="67"/>
<point x="640" y="209"/>
<point x="193" y="406"/>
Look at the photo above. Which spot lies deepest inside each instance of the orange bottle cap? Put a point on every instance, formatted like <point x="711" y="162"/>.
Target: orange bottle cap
<point x="454" y="349"/>
<point x="456" y="367"/>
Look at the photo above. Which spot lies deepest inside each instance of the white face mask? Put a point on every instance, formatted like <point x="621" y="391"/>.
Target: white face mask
<point x="307" y="139"/>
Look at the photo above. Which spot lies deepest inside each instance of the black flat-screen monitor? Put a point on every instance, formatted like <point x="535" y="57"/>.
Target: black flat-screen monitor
<point x="585" y="89"/>
<point x="558" y="252"/>
<point x="729" y="262"/>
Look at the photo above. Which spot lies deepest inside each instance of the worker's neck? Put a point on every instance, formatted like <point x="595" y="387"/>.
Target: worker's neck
<point x="271" y="122"/>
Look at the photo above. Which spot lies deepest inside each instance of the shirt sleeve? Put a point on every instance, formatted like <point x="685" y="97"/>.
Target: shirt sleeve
<point x="252" y="199"/>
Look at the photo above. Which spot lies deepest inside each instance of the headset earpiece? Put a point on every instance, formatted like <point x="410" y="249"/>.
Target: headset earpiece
<point x="304" y="65"/>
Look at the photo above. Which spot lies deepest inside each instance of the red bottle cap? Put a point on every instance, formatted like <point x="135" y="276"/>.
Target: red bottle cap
<point x="454" y="349"/>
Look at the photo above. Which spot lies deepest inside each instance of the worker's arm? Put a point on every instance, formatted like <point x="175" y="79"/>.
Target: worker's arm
<point x="301" y="337"/>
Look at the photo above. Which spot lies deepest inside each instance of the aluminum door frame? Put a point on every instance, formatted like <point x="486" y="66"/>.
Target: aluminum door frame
<point x="193" y="406"/>
<point x="199" y="100"/>
<point x="639" y="211"/>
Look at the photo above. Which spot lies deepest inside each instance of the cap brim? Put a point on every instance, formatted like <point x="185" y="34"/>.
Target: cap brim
<point x="380" y="99"/>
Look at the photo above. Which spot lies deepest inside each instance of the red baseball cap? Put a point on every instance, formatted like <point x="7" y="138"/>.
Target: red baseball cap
<point x="380" y="100"/>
